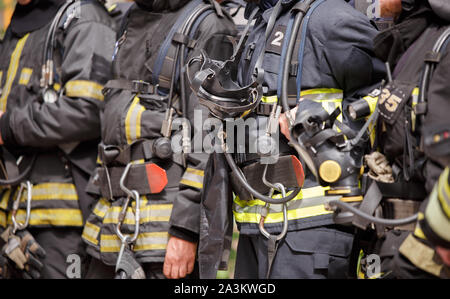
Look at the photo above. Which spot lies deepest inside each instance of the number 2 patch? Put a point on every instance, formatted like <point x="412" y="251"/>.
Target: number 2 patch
<point x="393" y="99"/>
<point x="276" y="40"/>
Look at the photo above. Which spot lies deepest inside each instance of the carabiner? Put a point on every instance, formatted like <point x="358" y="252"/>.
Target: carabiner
<point x="264" y="214"/>
<point x="16" y="225"/>
<point x="131" y="194"/>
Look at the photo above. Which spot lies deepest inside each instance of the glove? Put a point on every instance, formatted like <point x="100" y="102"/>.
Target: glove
<point x="24" y="252"/>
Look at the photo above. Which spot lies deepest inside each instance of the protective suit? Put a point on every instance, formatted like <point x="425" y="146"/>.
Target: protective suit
<point x="51" y="119"/>
<point x="331" y="66"/>
<point x="143" y="99"/>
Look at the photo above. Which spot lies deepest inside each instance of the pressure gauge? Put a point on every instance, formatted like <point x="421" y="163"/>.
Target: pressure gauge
<point x="50" y="96"/>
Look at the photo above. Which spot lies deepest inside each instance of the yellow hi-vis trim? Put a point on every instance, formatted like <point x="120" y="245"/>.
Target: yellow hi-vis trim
<point x="133" y="121"/>
<point x="2" y="219"/>
<point x="319" y="91"/>
<point x="90" y="233"/>
<point x="145" y="241"/>
<point x="193" y="178"/>
<point x="149" y="213"/>
<point x="53" y="191"/>
<point x="12" y="71"/>
<point x="25" y="76"/>
<point x="5" y="199"/>
<point x="436" y="218"/>
<point x="57" y="217"/>
<point x="444" y="192"/>
<point x="249" y="211"/>
<point x="330" y="98"/>
<point x="84" y="89"/>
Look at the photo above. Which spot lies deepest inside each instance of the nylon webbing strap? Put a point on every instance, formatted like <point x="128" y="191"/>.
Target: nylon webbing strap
<point x="133" y="86"/>
<point x="168" y="41"/>
<point x="370" y="203"/>
<point x="301" y="51"/>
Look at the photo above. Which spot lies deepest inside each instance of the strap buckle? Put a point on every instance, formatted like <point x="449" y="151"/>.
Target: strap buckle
<point x="140" y="86"/>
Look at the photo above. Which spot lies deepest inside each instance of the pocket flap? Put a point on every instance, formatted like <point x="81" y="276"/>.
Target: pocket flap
<point x="321" y="242"/>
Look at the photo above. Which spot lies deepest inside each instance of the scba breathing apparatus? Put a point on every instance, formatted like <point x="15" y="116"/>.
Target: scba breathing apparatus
<point x="332" y="151"/>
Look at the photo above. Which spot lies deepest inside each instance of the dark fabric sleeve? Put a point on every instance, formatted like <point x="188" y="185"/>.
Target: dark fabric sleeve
<point x="88" y="48"/>
<point x="186" y="208"/>
<point x="349" y="53"/>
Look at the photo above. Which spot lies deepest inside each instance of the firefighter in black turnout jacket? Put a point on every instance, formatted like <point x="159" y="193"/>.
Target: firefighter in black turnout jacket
<point x="146" y="221"/>
<point x="313" y="55"/>
<point x="54" y="59"/>
<point x="413" y="131"/>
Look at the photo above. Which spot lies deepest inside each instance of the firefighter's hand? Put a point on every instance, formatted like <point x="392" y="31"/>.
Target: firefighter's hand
<point x="180" y="258"/>
<point x="284" y="123"/>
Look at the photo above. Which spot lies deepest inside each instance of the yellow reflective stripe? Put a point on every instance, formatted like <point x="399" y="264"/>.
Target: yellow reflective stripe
<point x="84" y="89"/>
<point x="58" y="217"/>
<point x="145" y="241"/>
<point x="101" y="208"/>
<point x="53" y="191"/>
<point x="418" y="232"/>
<point x="249" y="211"/>
<point x="438" y="221"/>
<point x="304" y="193"/>
<point x="191" y="183"/>
<point x="1" y="77"/>
<point x="193" y="178"/>
<point x="12" y="71"/>
<point x="152" y="241"/>
<point x="133" y="121"/>
<point x="25" y="76"/>
<point x="317" y="91"/>
<point x="278" y="217"/>
<point x="444" y="192"/>
<point x="330" y="98"/>
<point x="112" y="7"/>
<point x="371" y="101"/>
<point x="5" y="199"/>
<point x="156" y="213"/>
<point x="269" y="100"/>
<point x="2" y="219"/>
<point x="415" y="95"/>
<point x="195" y="171"/>
<point x="90" y="233"/>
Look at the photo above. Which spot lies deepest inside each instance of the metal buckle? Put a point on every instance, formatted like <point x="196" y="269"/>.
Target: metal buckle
<point x="140" y="86"/>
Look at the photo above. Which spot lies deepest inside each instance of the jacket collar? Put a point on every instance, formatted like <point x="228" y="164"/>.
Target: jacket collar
<point x="33" y="16"/>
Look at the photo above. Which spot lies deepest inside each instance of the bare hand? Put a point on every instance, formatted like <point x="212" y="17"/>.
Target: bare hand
<point x="180" y="258"/>
<point x="284" y="123"/>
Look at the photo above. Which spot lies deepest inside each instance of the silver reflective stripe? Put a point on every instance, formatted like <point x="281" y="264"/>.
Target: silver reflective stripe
<point x="193" y="178"/>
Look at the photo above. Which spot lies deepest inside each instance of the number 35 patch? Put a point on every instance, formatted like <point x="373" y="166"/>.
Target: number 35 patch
<point x="276" y="40"/>
<point x="393" y="99"/>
